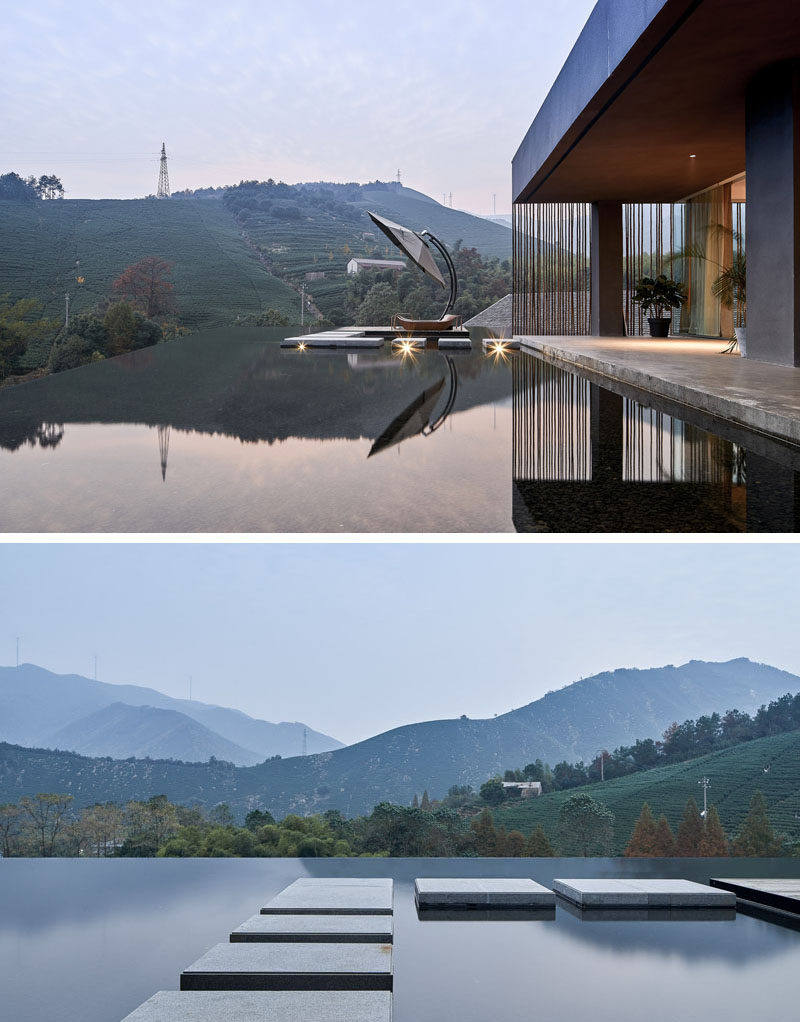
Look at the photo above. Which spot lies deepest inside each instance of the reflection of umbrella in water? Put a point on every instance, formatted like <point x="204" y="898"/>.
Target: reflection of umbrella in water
<point x="417" y="417"/>
<point x="416" y="248"/>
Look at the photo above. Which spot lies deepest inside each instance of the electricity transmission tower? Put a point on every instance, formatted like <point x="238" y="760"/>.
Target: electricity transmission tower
<point x="305" y="741"/>
<point x="163" y="176"/>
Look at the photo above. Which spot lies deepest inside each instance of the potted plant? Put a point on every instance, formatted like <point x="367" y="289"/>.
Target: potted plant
<point x="731" y="289"/>
<point x="656" y="295"/>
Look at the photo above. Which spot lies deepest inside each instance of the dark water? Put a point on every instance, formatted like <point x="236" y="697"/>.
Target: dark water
<point x="90" y="940"/>
<point x="226" y="432"/>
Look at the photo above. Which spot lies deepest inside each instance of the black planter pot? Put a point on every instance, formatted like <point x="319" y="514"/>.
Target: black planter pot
<point x="660" y="327"/>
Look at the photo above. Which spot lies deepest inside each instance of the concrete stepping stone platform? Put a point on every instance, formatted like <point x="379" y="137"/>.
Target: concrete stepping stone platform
<point x="615" y="914"/>
<point x="454" y="342"/>
<point x="458" y="893"/>
<point x="332" y="340"/>
<point x="265" y="1006"/>
<point x="645" y="893"/>
<point x="507" y="343"/>
<point x="481" y="915"/>
<point x="333" y="896"/>
<point x="782" y="894"/>
<point x="309" y="929"/>
<point x="255" y="966"/>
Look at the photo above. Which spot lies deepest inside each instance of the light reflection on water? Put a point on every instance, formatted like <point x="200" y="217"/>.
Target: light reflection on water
<point x="90" y="940"/>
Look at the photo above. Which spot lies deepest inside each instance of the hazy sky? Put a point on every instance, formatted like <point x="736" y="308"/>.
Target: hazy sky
<point x="252" y="89"/>
<point x="356" y="638"/>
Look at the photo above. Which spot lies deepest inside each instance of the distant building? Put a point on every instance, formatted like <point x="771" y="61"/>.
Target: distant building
<point x="527" y="789"/>
<point x="357" y="265"/>
<point x="315" y="275"/>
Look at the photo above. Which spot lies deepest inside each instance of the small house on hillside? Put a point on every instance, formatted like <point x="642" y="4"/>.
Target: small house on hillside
<point x="527" y="789"/>
<point x="357" y="265"/>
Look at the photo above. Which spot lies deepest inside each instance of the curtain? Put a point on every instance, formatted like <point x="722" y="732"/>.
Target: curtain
<point x="708" y="240"/>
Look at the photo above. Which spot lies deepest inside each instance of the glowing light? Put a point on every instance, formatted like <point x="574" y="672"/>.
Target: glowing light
<point x="302" y="346"/>
<point x="692" y="156"/>
<point x="498" y="349"/>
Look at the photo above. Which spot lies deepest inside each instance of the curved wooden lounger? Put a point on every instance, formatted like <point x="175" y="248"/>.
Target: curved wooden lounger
<point x="425" y="325"/>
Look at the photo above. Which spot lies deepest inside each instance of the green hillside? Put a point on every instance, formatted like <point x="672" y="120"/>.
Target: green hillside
<point x="217" y="276"/>
<point x="735" y="773"/>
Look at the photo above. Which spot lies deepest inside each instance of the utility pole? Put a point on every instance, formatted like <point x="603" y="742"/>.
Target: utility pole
<point x="398" y="178"/>
<point x="66" y="315"/>
<point x="190" y="688"/>
<point x="302" y="305"/>
<point x="305" y="741"/>
<point x="602" y="764"/>
<point x="494" y="203"/>
<point x="706" y="783"/>
<point x="451" y="200"/>
<point x="444" y="198"/>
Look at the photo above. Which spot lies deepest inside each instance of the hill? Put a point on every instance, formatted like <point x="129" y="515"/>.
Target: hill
<point x="120" y="731"/>
<point x="235" y="253"/>
<point x="735" y="773"/>
<point x="37" y="705"/>
<point x="217" y="276"/>
<point x="603" y="711"/>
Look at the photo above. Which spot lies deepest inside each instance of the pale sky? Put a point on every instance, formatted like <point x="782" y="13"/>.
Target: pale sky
<point x="356" y="638"/>
<point x="323" y="90"/>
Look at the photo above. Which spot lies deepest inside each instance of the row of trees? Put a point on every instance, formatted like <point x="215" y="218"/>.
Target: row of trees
<point x="679" y="743"/>
<point x="28" y="189"/>
<point x="45" y="825"/>
<point x="700" y="835"/>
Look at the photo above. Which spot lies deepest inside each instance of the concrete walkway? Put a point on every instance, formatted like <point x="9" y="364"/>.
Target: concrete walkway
<point x="757" y="395"/>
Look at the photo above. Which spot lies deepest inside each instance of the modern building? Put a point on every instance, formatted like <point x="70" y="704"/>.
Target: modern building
<point x="357" y="265"/>
<point x="526" y="789"/>
<point x="673" y="128"/>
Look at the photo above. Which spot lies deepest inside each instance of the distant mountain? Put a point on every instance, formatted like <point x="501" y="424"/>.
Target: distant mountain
<point x="37" y="705"/>
<point x="603" y="711"/>
<point x="121" y="731"/>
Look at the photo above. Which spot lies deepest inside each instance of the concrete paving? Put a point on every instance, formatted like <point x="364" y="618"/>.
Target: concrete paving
<point x="324" y="896"/>
<point x="265" y="1006"/>
<point x="777" y="893"/>
<point x="453" y="893"/>
<point x="316" y="929"/>
<point x="454" y="342"/>
<point x="332" y="340"/>
<point x="648" y="893"/>
<point x="258" y="966"/>
<point x="757" y="395"/>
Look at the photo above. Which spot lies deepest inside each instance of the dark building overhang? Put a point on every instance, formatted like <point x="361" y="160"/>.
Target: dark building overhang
<point x="647" y="84"/>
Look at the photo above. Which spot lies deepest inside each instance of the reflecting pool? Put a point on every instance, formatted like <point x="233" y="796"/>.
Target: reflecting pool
<point x="224" y="431"/>
<point x="89" y="940"/>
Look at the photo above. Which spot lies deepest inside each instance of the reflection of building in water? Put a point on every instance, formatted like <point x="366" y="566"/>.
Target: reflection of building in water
<point x="163" y="448"/>
<point x="586" y="459"/>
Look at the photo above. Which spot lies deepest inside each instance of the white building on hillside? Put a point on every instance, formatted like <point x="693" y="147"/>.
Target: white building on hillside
<point x="357" y="265"/>
<point x="527" y="789"/>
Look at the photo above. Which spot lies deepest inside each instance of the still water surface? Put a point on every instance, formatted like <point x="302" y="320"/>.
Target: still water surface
<point x="224" y="431"/>
<point x="90" y="940"/>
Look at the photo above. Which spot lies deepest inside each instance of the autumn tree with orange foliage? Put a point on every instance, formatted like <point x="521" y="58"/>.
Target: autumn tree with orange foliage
<point x="146" y="286"/>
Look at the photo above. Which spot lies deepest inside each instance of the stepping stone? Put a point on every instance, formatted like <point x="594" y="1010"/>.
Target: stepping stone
<point x="332" y="929"/>
<point x="508" y="343"/>
<point x="255" y="966"/>
<point x="483" y="893"/>
<point x="615" y="914"/>
<point x="336" y="896"/>
<point x="332" y="340"/>
<point x="265" y="1006"/>
<point x="775" y="893"/>
<point x="455" y="342"/>
<point x="642" y="894"/>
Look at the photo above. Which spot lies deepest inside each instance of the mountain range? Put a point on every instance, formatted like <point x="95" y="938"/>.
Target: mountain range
<point x="603" y="711"/>
<point x="95" y="718"/>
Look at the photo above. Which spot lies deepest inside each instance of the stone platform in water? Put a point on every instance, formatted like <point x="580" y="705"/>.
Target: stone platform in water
<point x="335" y="339"/>
<point x="265" y="1006"/>
<point x="334" y="929"/>
<point x="333" y="896"/>
<point x="454" y="342"/>
<point x="457" y="893"/>
<point x="642" y="893"/>
<point x="256" y="966"/>
<point x="782" y="894"/>
<point x="503" y="343"/>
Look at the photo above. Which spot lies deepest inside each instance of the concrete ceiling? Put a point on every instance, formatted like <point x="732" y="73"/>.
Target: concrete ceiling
<point x="684" y="95"/>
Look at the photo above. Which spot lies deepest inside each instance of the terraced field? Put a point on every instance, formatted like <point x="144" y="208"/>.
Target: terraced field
<point x="47" y="246"/>
<point x="771" y="765"/>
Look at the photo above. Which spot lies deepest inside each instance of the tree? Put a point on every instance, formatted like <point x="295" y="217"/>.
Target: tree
<point x="221" y="816"/>
<point x="145" y="284"/>
<point x="48" y="815"/>
<point x="492" y="791"/>
<point x="643" y="838"/>
<point x="585" y="827"/>
<point x="690" y="831"/>
<point x="258" y="818"/>
<point x="756" y="837"/>
<point x="49" y="187"/>
<point x="425" y="804"/>
<point x="665" y="840"/>
<point x="500" y="840"/>
<point x="538" y="845"/>
<point x="103" y="826"/>
<point x="9" y="827"/>
<point x="378" y="306"/>
<point x="713" y="842"/>
<point x="515" y="844"/>
<point x="20" y="322"/>
<point x="415" y="802"/>
<point x="485" y="834"/>
<point x="120" y="327"/>
<point x="13" y="188"/>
